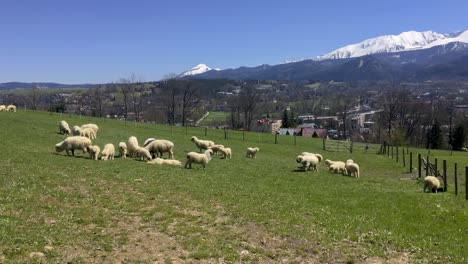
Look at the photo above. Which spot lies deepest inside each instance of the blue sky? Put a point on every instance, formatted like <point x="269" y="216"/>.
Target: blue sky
<point x="101" y="41"/>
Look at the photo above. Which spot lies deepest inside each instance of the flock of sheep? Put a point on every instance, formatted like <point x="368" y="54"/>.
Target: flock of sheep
<point x="9" y="108"/>
<point x="80" y="138"/>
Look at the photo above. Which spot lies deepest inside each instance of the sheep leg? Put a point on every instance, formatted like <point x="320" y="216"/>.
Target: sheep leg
<point x="73" y="152"/>
<point x="68" y="152"/>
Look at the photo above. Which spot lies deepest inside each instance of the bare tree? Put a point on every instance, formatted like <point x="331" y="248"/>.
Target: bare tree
<point x="97" y="100"/>
<point x="249" y="98"/>
<point x="345" y="104"/>
<point x="170" y="90"/>
<point x="124" y="87"/>
<point x="190" y="99"/>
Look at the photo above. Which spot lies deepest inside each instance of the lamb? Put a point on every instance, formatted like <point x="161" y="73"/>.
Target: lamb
<point x="76" y="131"/>
<point x="132" y="146"/>
<point x="108" y="152"/>
<point x="94" y="152"/>
<point x="198" y="158"/>
<point x="160" y="161"/>
<point x="338" y="167"/>
<point x="202" y="144"/>
<point x="216" y="148"/>
<point x="2" y="108"/>
<point x="252" y="152"/>
<point x="431" y="183"/>
<point x="73" y="143"/>
<point x="308" y="162"/>
<point x="123" y="150"/>
<point x="88" y="132"/>
<point x="11" y="108"/>
<point x="92" y="126"/>
<point x="159" y="146"/>
<point x="319" y="157"/>
<point x="143" y="154"/>
<point x="64" y="129"/>
<point x="227" y="153"/>
<point x="352" y="168"/>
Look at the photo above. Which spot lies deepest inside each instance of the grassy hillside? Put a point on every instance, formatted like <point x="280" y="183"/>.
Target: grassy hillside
<point x="236" y="210"/>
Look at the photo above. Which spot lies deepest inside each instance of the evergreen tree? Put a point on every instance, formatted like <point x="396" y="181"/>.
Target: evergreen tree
<point x="435" y="136"/>
<point x="458" y="138"/>
<point x="292" y="119"/>
<point x="285" y="121"/>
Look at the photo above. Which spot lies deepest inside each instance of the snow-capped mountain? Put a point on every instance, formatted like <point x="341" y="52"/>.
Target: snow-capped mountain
<point x="199" y="69"/>
<point x="406" y="41"/>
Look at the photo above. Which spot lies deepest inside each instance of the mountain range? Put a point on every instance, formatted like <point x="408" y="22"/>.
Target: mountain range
<point x="40" y="85"/>
<point x="408" y="56"/>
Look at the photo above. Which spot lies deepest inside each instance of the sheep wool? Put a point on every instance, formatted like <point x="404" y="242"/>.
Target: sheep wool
<point x="159" y="146"/>
<point x="338" y="167"/>
<point x="123" y="150"/>
<point x="73" y="143"/>
<point x="64" y="129"/>
<point x="309" y="162"/>
<point x="108" y="152"/>
<point x="132" y="146"/>
<point x="216" y="148"/>
<point x="160" y="161"/>
<point x="92" y="126"/>
<point x="11" y="108"/>
<point x="198" y="158"/>
<point x="431" y="183"/>
<point x="76" y="131"/>
<point x="252" y="152"/>
<point x="147" y="141"/>
<point x="2" y="108"/>
<point x="227" y="153"/>
<point x="143" y="154"/>
<point x="352" y="169"/>
<point x="94" y="152"/>
<point x="89" y="133"/>
<point x="202" y="144"/>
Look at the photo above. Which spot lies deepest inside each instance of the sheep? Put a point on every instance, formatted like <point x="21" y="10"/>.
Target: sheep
<point x="160" y="161"/>
<point x="108" y="152"/>
<point x="338" y="167"/>
<point x="11" y="108"/>
<point x="159" y="146"/>
<point x="73" y="143"/>
<point x="227" y="153"/>
<point x="92" y="126"/>
<point x="319" y="157"/>
<point x="216" y="148"/>
<point x="352" y="168"/>
<point x="431" y="183"/>
<point x="64" y="129"/>
<point x="76" y="131"/>
<point x="252" y="152"/>
<point x="308" y="162"/>
<point x="132" y="146"/>
<point x="2" y="108"/>
<point x="143" y="153"/>
<point x="198" y="158"/>
<point x="202" y="144"/>
<point x="94" y="152"/>
<point x="149" y="140"/>
<point x="123" y="150"/>
<point x="88" y="132"/>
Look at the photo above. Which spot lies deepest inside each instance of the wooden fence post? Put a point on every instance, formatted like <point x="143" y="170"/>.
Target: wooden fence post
<point x="444" y="166"/>
<point x="351" y="148"/>
<point x="243" y="135"/>
<point x="294" y="140"/>
<point x="404" y="158"/>
<point x="276" y="138"/>
<point x="419" y="165"/>
<point x="411" y="162"/>
<point x="466" y="183"/>
<point x="436" y="166"/>
<point x="456" y="179"/>
<point x="427" y="165"/>
<point x="388" y="150"/>
<point x="396" y="154"/>
<point x="206" y="131"/>
<point x="324" y="144"/>
<point x="225" y="133"/>
<point x="392" y="151"/>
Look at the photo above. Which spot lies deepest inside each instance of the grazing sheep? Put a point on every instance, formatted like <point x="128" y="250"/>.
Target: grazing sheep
<point x="88" y="132"/>
<point x="11" y="108"/>
<point x="338" y="167"/>
<point x="352" y="168"/>
<point x="216" y="148"/>
<point x="431" y="183"/>
<point x="227" y="153"/>
<point x="123" y="150"/>
<point x="2" y="108"/>
<point x="76" y="131"/>
<point x="319" y="157"/>
<point x="308" y="162"/>
<point x="198" y="158"/>
<point x="94" y="152"/>
<point x="202" y="144"/>
<point x="64" y="129"/>
<point x="108" y="152"/>
<point x="132" y="146"/>
<point x="159" y="146"/>
<point x="73" y="143"/>
<point x="143" y="153"/>
<point x="92" y="126"/>
<point x="149" y="140"/>
<point x="252" y="152"/>
<point x="160" y="161"/>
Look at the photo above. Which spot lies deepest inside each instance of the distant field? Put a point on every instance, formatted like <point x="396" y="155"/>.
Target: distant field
<point x="252" y="210"/>
<point x="215" y="118"/>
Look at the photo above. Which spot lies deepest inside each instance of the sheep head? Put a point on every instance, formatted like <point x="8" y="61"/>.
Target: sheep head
<point x="194" y="138"/>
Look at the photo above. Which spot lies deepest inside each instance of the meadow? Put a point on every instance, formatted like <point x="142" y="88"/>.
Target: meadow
<point x="252" y="210"/>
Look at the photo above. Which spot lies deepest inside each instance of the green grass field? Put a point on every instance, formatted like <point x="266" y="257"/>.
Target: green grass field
<point x="260" y="210"/>
<point x="215" y="119"/>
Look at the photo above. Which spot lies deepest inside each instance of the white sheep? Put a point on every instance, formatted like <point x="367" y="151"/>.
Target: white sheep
<point x="216" y="148"/>
<point x="2" y="108"/>
<point x="108" y="152"/>
<point x="147" y="141"/>
<point x="88" y="132"/>
<point x="76" y="131"/>
<point x="308" y="162"/>
<point x="160" y="161"/>
<point x="319" y="157"/>
<point x="252" y="152"/>
<point x="431" y="183"/>
<point x="338" y="167"/>
<point x="202" y="144"/>
<point x="198" y="158"/>
<point x="143" y="153"/>
<point x="123" y="150"/>
<point x="73" y="143"/>
<point x="11" y="108"/>
<point x="94" y="152"/>
<point x="92" y="126"/>
<point x="227" y="153"/>
<point x="64" y="128"/>
<point x="132" y="146"/>
<point x="352" y="168"/>
<point x="159" y="146"/>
